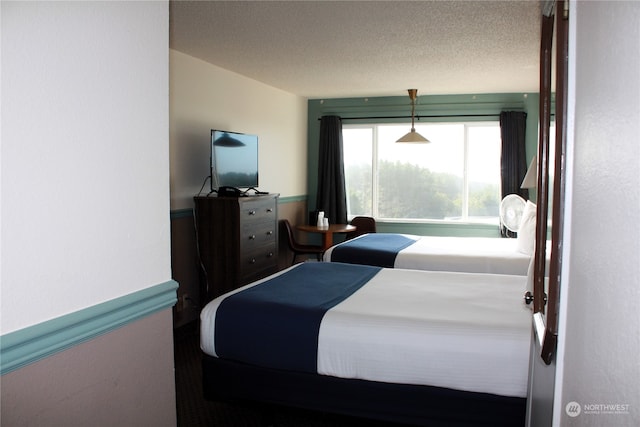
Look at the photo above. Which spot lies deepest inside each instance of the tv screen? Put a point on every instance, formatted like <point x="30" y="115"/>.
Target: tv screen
<point x="234" y="160"/>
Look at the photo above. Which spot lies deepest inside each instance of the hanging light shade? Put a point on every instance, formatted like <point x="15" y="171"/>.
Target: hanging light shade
<point x="227" y="140"/>
<point x="413" y="136"/>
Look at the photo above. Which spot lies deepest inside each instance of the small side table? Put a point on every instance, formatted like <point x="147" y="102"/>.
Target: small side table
<point x="327" y="232"/>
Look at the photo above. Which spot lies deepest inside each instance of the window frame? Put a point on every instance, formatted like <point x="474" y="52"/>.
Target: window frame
<point x="464" y="218"/>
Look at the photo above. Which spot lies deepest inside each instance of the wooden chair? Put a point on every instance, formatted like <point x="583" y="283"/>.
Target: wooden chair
<point x="364" y="224"/>
<point x="299" y="248"/>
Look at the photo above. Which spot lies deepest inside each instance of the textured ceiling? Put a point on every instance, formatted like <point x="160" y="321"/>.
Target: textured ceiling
<point x="336" y="49"/>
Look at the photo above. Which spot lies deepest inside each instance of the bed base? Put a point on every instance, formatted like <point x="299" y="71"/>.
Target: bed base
<point x="409" y="404"/>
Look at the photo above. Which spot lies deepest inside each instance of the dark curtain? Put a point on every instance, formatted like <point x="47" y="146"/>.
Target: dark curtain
<point x="513" y="161"/>
<point x="331" y="195"/>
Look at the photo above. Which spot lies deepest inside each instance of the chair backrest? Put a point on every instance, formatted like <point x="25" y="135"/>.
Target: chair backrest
<point x="299" y="248"/>
<point x="364" y="224"/>
<point x="290" y="237"/>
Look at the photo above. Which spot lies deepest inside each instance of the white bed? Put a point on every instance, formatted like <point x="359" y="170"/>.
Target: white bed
<point x="436" y="253"/>
<point x="462" y="331"/>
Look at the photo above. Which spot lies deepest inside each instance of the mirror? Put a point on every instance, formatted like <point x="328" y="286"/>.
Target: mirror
<point x="550" y="194"/>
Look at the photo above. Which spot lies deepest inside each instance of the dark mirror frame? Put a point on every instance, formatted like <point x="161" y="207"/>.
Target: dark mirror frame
<point x="545" y="304"/>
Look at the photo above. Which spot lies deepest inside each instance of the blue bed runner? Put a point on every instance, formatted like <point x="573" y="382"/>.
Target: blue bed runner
<point x="275" y="324"/>
<point x="378" y="249"/>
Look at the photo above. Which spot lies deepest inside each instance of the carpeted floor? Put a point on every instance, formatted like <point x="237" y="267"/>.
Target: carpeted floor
<point x="194" y="411"/>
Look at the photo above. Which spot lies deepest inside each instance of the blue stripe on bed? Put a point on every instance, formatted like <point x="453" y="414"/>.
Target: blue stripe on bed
<point x="275" y="324"/>
<point x="378" y="249"/>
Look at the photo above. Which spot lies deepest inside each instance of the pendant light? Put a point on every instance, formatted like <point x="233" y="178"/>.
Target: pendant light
<point x="413" y="136"/>
<point x="227" y="140"/>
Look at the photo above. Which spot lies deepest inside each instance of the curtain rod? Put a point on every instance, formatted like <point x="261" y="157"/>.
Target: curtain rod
<point x="417" y="116"/>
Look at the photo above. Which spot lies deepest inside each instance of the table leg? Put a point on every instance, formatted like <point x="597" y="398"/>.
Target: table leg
<point x="327" y="240"/>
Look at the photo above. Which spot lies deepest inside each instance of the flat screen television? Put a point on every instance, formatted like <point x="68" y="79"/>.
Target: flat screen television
<point x="234" y="160"/>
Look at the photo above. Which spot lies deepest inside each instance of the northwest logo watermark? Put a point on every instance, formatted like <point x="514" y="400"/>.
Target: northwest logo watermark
<point x="574" y="409"/>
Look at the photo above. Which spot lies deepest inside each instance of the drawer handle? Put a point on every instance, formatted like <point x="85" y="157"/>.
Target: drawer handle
<point x="252" y="261"/>
<point x="252" y="212"/>
<point x="252" y="237"/>
<point x="269" y="233"/>
<point x="269" y="210"/>
<point x="270" y="254"/>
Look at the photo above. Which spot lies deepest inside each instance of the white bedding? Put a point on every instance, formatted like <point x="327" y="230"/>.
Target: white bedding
<point x="456" y="330"/>
<point x="463" y="254"/>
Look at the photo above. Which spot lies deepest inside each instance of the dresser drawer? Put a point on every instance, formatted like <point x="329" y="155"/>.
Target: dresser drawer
<point x="259" y="274"/>
<point x="258" y="211"/>
<point x="256" y="261"/>
<point x="258" y="234"/>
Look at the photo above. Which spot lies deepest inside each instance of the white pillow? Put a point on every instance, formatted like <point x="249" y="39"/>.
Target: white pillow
<point x="527" y="231"/>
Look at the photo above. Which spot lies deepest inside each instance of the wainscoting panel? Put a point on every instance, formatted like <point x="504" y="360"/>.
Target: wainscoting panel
<point x="121" y="378"/>
<point x="185" y="267"/>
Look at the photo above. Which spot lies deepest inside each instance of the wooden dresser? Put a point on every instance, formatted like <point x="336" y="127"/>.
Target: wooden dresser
<point x="237" y="239"/>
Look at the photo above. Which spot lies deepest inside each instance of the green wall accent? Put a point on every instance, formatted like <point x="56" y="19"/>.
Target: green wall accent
<point x="181" y="213"/>
<point x="292" y="199"/>
<point x="439" y="229"/>
<point x="33" y="343"/>
<point x="449" y="105"/>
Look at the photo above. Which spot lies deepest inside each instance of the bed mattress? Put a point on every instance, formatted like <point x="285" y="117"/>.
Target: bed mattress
<point x="435" y="253"/>
<point x="461" y="331"/>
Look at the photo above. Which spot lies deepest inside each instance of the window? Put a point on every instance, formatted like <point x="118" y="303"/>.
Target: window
<point x="454" y="178"/>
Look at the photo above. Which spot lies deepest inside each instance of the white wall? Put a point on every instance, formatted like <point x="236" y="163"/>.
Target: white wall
<point x="599" y="330"/>
<point x="85" y="155"/>
<point x="205" y="97"/>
